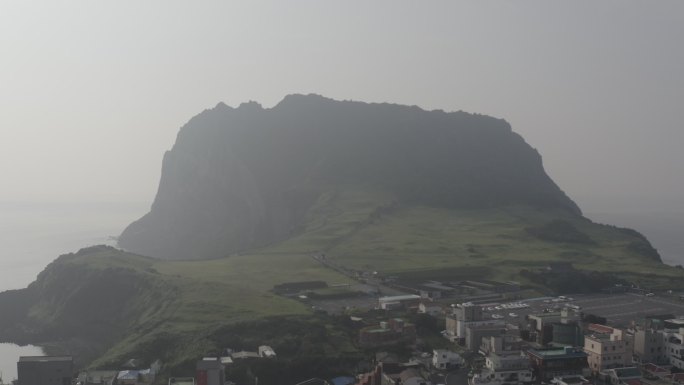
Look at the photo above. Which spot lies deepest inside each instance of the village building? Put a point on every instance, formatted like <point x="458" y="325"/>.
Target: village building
<point x="413" y="377"/>
<point x="98" y="377"/>
<point x="509" y="368"/>
<point x="266" y="351"/>
<point x="396" y="330"/>
<point x="606" y="348"/>
<point x="649" y="347"/>
<point x="500" y="344"/>
<point x="446" y="359"/>
<point x="210" y="372"/>
<point x="623" y="376"/>
<point x="429" y="308"/>
<point x="135" y="377"/>
<point x="673" y="335"/>
<point x="467" y="326"/>
<point x="399" y="302"/>
<point x="45" y="370"/>
<point x="476" y="332"/>
<point x="549" y="363"/>
<point x="561" y="327"/>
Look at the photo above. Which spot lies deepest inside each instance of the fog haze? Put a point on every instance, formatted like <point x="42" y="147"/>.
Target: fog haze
<point x="92" y="94"/>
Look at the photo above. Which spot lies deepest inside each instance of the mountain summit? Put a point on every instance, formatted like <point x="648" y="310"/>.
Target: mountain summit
<point x="239" y="178"/>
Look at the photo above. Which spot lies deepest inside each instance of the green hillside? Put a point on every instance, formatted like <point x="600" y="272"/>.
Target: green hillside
<point x="370" y="231"/>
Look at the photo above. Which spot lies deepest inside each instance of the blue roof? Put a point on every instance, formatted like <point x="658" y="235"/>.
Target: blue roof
<point x="343" y="380"/>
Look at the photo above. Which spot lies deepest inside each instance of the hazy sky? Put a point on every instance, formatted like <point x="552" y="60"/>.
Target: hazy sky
<point x="92" y="93"/>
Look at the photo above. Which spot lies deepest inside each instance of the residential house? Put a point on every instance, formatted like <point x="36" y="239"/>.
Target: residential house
<point x="562" y="325"/>
<point x="412" y="377"/>
<point x="445" y="359"/>
<point x="649" y="347"/>
<point x="500" y="344"/>
<point x="266" y="351"/>
<point x="549" y="363"/>
<point x="475" y="332"/>
<point x="673" y="335"/>
<point x="623" y="376"/>
<point x="606" y="348"/>
<point x="134" y="377"/>
<point x="210" y="372"/>
<point x="468" y="316"/>
<point x="509" y="368"/>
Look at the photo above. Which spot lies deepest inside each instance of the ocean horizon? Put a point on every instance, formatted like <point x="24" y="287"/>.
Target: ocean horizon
<point x="34" y="234"/>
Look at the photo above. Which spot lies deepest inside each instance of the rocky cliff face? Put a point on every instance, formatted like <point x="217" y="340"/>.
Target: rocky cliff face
<point x="242" y="177"/>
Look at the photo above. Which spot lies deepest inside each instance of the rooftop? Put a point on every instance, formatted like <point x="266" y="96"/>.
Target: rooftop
<point x="182" y="381"/>
<point x="598" y="328"/>
<point x="45" y="358"/>
<point x="557" y="353"/>
<point x="398" y="298"/>
<point x="627" y="372"/>
<point x="570" y="380"/>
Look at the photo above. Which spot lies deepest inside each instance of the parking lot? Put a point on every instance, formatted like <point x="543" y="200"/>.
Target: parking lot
<point x="619" y="309"/>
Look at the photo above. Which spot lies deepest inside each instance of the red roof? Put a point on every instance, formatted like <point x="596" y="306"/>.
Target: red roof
<point x="654" y="368"/>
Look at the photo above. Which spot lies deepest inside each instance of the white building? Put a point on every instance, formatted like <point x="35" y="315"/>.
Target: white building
<point x="607" y="348"/>
<point x="510" y="369"/>
<point x="430" y="309"/>
<point x="445" y="359"/>
<point x="266" y="351"/>
<point x="398" y="301"/>
<point x="673" y="334"/>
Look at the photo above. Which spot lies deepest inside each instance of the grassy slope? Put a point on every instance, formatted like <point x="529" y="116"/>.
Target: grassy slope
<point x="489" y="241"/>
<point x="209" y="295"/>
<point x="365" y="231"/>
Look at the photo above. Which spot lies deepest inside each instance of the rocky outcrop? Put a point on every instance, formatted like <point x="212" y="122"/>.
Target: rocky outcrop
<point x="238" y="178"/>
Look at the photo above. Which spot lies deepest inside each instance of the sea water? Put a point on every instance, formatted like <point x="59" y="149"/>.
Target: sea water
<point x="33" y="234"/>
